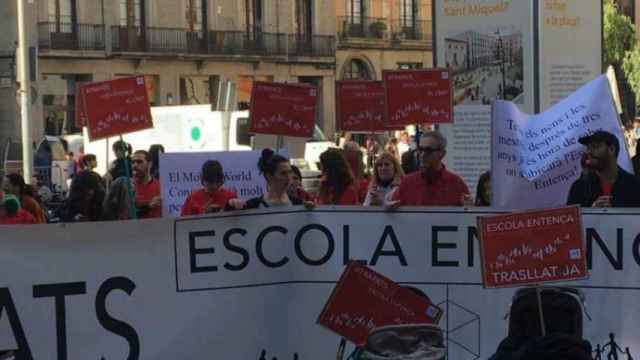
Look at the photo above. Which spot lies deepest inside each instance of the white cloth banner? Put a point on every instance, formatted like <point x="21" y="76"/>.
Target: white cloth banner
<point x="235" y="285"/>
<point x="180" y="175"/>
<point x="536" y="158"/>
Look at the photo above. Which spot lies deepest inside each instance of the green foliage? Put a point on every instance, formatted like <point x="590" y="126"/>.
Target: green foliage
<point x="631" y="69"/>
<point x="619" y="34"/>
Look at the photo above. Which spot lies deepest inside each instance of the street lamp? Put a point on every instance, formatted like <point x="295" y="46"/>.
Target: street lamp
<point x="500" y="57"/>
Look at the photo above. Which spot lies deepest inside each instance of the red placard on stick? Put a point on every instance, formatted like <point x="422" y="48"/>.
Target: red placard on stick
<point x="418" y="97"/>
<point x="80" y="112"/>
<point x="116" y="107"/>
<point x="360" y="106"/>
<point x="283" y="109"/>
<point x="532" y="247"/>
<point x="363" y="300"/>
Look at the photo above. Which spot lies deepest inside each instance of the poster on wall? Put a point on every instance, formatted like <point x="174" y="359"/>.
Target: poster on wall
<point x="570" y="47"/>
<point x="488" y="47"/>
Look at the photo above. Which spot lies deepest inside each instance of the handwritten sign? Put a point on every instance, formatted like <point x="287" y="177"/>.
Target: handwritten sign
<point x="532" y="247"/>
<point x="80" y="112"/>
<point x="363" y="300"/>
<point x="418" y="97"/>
<point x="360" y="106"/>
<point x="116" y="107"/>
<point x="283" y="109"/>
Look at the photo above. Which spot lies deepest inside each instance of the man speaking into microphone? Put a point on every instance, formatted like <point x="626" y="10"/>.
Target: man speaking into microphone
<point x="607" y="184"/>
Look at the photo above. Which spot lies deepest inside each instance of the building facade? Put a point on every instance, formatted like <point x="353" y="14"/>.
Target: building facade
<point x="184" y="48"/>
<point x="376" y="35"/>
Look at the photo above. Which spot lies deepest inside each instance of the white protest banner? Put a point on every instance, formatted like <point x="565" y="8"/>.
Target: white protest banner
<point x="180" y="175"/>
<point x="536" y="158"/>
<point x="246" y="285"/>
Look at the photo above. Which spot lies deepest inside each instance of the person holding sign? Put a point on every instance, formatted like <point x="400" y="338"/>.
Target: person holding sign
<point x="277" y="171"/>
<point x="338" y="185"/>
<point x="212" y="197"/>
<point x="433" y="185"/>
<point x="607" y="184"/>
<point x="387" y="174"/>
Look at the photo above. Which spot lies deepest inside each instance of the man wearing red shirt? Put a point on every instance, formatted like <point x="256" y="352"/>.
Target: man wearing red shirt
<point x="433" y="185"/>
<point x="148" y="200"/>
<point x="212" y="197"/>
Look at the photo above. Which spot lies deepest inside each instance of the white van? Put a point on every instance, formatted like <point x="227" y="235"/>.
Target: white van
<point x="195" y="128"/>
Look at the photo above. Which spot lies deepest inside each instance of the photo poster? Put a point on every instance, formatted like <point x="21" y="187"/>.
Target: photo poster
<point x="563" y="68"/>
<point x="479" y="41"/>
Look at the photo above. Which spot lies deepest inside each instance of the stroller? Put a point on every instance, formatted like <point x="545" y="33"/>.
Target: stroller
<point x="400" y="342"/>
<point x="562" y="308"/>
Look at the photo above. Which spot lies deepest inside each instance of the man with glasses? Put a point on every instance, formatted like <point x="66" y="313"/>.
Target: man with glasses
<point x="433" y="185"/>
<point x="607" y="184"/>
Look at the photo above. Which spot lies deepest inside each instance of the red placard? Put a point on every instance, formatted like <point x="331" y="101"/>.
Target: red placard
<point x="360" y="106"/>
<point x="418" y="97"/>
<point x="116" y="107"/>
<point x="283" y="109"/>
<point x="363" y="300"/>
<point x="532" y="247"/>
<point x="80" y="113"/>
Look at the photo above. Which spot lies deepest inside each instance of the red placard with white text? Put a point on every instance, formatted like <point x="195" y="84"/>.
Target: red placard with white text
<point x="116" y="107"/>
<point x="80" y="112"/>
<point x="360" y="106"/>
<point x="363" y="300"/>
<point x="418" y="97"/>
<point x="283" y="109"/>
<point x="532" y="247"/>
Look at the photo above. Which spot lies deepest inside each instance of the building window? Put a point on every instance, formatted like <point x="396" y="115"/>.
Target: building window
<point x="355" y="11"/>
<point x="254" y="16"/>
<point x="62" y="14"/>
<point x="303" y="17"/>
<point x="356" y="69"/>
<point x="628" y="8"/>
<point x="131" y="12"/>
<point x="58" y="102"/>
<point x="408" y="13"/>
<point x="411" y="65"/>
<point x="194" y="16"/>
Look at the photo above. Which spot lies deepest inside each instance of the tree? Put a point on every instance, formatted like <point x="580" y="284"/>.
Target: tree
<point x="619" y="34"/>
<point x="619" y="47"/>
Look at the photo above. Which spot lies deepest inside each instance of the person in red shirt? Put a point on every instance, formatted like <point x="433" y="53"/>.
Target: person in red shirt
<point x="11" y="213"/>
<point x="212" y="197"/>
<point x="148" y="200"/>
<point x="433" y="185"/>
<point x="338" y="186"/>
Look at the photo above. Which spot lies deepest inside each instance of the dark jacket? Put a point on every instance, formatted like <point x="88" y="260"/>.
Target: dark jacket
<point x="258" y="203"/>
<point x="625" y="192"/>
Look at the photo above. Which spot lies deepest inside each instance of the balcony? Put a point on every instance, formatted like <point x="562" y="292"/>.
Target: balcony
<point x="412" y="30"/>
<point x="362" y="28"/>
<point x="216" y="42"/>
<point x="67" y="36"/>
<point x="381" y="33"/>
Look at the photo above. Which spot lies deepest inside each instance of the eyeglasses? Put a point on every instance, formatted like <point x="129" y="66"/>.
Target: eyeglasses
<point x="137" y="161"/>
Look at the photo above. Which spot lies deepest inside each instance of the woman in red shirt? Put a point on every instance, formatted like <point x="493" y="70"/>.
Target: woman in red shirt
<point x="212" y="197"/>
<point x="11" y="213"/>
<point x="338" y="186"/>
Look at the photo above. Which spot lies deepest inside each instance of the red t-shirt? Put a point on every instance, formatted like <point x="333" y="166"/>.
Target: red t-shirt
<point x="22" y="217"/>
<point x="605" y="187"/>
<point x="350" y="196"/>
<point x="198" y="201"/>
<point x="145" y="193"/>
<point x="442" y="189"/>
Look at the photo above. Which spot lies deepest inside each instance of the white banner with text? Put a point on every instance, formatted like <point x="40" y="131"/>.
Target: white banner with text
<point x="251" y="285"/>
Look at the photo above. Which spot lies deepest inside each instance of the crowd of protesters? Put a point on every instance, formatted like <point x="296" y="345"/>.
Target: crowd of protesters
<point x="399" y="173"/>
